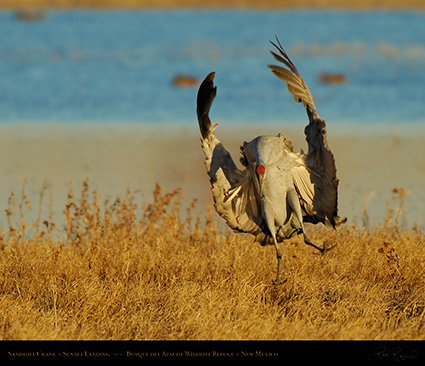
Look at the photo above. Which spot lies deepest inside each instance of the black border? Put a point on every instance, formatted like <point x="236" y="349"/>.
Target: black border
<point x="284" y="352"/>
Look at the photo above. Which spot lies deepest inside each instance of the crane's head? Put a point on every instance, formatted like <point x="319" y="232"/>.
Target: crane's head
<point x="262" y="153"/>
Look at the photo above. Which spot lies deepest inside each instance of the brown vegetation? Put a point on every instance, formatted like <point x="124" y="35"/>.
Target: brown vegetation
<point x="185" y="81"/>
<point x="127" y="270"/>
<point x="327" y="78"/>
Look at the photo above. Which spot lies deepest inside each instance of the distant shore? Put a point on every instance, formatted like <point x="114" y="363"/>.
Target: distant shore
<point x="116" y="157"/>
<point x="215" y="4"/>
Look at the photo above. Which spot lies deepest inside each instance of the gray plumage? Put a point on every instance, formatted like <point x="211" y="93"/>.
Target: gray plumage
<point x="279" y="189"/>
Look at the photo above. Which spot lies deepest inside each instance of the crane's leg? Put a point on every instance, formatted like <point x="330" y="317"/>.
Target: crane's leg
<point x="279" y="257"/>
<point x="272" y="228"/>
<point x="295" y="204"/>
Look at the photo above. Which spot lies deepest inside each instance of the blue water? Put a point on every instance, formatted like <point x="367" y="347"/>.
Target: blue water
<point x="118" y="66"/>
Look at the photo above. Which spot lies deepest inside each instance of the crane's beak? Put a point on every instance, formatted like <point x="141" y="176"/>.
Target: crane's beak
<point x="261" y="170"/>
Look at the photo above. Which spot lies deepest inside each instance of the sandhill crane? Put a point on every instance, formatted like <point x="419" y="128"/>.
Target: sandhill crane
<point x="279" y="189"/>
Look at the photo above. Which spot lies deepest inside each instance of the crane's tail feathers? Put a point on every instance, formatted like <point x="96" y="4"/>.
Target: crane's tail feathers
<point x="206" y="94"/>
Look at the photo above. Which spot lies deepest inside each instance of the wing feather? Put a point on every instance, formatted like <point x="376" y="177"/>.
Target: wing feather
<point x="316" y="182"/>
<point x="232" y="189"/>
<point x="303" y="184"/>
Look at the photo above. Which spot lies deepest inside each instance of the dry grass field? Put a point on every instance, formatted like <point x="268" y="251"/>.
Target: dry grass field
<point x="129" y="270"/>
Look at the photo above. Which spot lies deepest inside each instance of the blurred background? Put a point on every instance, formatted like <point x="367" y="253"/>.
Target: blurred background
<point x="141" y="61"/>
<point x="75" y="74"/>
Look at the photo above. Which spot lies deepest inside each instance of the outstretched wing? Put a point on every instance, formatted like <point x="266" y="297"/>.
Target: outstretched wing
<point x="233" y="191"/>
<point x="316" y="183"/>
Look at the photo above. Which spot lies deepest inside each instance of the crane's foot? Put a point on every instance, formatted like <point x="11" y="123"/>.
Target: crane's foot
<point x="308" y="242"/>
<point x="322" y="250"/>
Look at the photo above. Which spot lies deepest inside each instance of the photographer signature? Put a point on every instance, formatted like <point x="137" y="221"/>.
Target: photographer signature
<point x="395" y="353"/>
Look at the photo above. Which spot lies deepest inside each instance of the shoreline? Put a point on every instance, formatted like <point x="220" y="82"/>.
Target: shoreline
<point x="115" y="158"/>
<point x="405" y="129"/>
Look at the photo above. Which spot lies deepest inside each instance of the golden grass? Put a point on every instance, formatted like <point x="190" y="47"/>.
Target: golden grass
<point x="125" y="269"/>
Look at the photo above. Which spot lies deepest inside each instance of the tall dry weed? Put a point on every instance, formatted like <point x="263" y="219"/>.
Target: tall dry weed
<point x="123" y="269"/>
